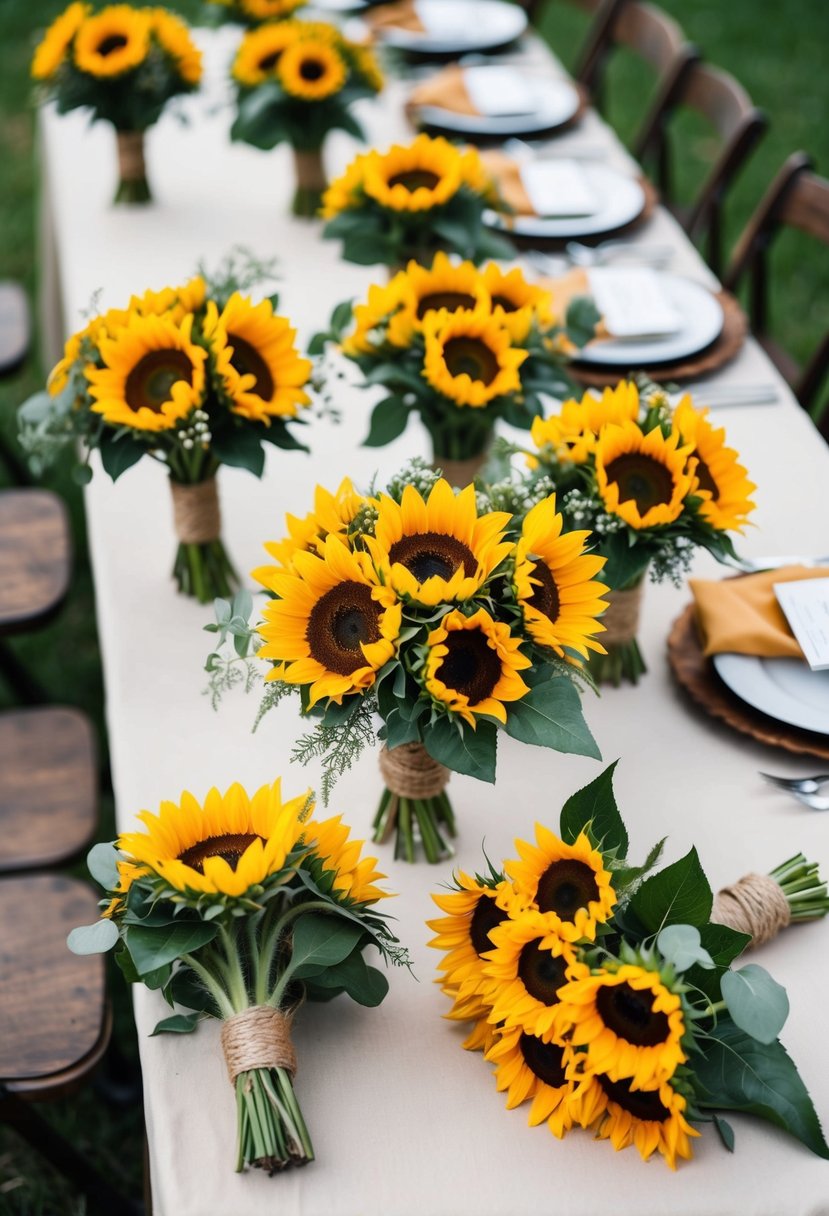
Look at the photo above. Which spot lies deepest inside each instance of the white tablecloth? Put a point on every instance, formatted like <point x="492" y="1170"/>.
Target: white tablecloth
<point x="402" y="1119"/>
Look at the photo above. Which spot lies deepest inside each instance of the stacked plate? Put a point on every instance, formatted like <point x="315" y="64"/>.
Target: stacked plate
<point x="455" y="27"/>
<point x="785" y="689"/>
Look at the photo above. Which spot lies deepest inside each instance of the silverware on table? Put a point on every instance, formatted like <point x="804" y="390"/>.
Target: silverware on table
<point x="720" y="396"/>
<point x="614" y="251"/>
<point x="798" y="785"/>
<point x="754" y="565"/>
<point x="814" y="801"/>
<point x="543" y="149"/>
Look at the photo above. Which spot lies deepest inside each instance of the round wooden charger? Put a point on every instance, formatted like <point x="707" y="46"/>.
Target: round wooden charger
<point x="715" y="356"/>
<point x="695" y="672"/>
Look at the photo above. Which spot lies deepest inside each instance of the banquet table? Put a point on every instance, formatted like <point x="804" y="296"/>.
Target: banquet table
<point x="403" y="1120"/>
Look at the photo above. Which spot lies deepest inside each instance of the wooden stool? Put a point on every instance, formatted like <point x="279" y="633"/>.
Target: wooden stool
<point x="48" y="787"/>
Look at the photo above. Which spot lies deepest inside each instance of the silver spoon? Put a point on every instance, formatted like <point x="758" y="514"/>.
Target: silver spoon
<point x="799" y="785"/>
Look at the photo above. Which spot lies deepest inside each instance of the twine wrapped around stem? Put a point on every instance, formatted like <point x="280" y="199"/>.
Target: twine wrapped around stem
<point x="259" y="1037"/>
<point x="410" y="772"/>
<point x="196" y="512"/>
<point x="756" y="905"/>
<point x="131" y="167"/>
<point x="460" y="472"/>
<point x="621" y="621"/>
<point x="311" y="182"/>
<point x="414" y="804"/>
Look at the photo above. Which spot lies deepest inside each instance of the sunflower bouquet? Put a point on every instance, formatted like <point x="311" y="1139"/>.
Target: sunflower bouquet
<point x="446" y="619"/>
<point x="460" y="347"/>
<point x="411" y="201"/>
<point x="607" y="999"/>
<point x="295" y="82"/>
<point x="124" y="64"/>
<point x="252" y="12"/>
<point x="193" y="377"/>
<point x="240" y="909"/>
<point x="652" y="482"/>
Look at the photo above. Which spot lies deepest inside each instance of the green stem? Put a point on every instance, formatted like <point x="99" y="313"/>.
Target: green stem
<point x="217" y="992"/>
<point x="432" y="817"/>
<point x="806" y="893"/>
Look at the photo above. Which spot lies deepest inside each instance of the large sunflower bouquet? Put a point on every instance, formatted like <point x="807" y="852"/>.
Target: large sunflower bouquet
<point x="447" y="620"/>
<point x="252" y="12"/>
<point x="194" y="377"/>
<point x="411" y="201"/>
<point x="124" y="64"/>
<point x="295" y="82"/>
<point x="607" y="999"/>
<point x="653" y="482"/>
<point x="460" y="347"/>
<point x="239" y="909"/>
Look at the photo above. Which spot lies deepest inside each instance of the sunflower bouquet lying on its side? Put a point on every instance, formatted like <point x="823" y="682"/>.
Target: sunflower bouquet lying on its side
<point x="607" y="998"/>
<point x="295" y="82"/>
<point x="252" y="12"/>
<point x="447" y="619"/>
<point x="240" y="909"/>
<point x="461" y="348"/>
<point x="124" y="64"/>
<point x="194" y="377"/>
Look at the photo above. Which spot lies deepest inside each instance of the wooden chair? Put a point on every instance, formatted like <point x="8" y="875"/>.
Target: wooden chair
<point x="595" y="45"/>
<point x="799" y="199"/>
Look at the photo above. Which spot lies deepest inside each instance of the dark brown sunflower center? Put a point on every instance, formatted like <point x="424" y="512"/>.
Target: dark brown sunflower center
<point x="339" y="623"/>
<point x="149" y="383"/>
<point x="269" y="61"/>
<point x="230" y="847"/>
<point x="471" y="666"/>
<point x="566" y="886"/>
<point x="505" y="303"/>
<point x="113" y="42"/>
<point x="415" y="179"/>
<point x="542" y="973"/>
<point x="470" y="357"/>
<point x="640" y="477"/>
<point x="629" y="1013"/>
<point x="311" y="69"/>
<point x="486" y="917"/>
<point x="247" y="361"/>
<point x="543" y="1059"/>
<point x="641" y="1103"/>
<point x="706" y="481"/>
<point x="452" y="301"/>
<point x="545" y="598"/>
<point x="433" y="553"/>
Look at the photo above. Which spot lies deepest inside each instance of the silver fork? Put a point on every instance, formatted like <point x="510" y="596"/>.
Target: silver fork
<point x="813" y="801"/>
<point x="801" y="785"/>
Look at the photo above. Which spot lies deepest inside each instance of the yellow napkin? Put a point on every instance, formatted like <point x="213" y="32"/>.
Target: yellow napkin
<point x="569" y="287"/>
<point x="507" y="174"/>
<point x="446" y="90"/>
<point x="400" y="16"/>
<point x="742" y="615"/>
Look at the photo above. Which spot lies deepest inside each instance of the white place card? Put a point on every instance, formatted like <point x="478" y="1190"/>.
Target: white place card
<point x="558" y="188"/>
<point x="805" y="603"/>
<point x="497" y="91"/>
<point x="632" y="302"/>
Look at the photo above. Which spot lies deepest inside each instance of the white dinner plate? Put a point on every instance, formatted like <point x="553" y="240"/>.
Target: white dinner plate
<point x="622" y="200"/>
<point x="460" y="26"/>
<point x="338" y="6"/>
<point x="785" y="689"/>
<point x="702" y="322"/>
<point x="554" y="103"/>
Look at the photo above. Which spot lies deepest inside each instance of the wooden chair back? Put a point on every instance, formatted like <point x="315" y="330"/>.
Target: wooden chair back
<point x="597" y="40"/>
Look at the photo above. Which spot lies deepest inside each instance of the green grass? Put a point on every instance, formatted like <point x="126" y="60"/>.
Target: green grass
<point x="778" y="57"/>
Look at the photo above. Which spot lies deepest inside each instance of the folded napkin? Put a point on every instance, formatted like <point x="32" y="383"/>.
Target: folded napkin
<point x="446" y="90"/>
<point x="400" y="16"/>
<point x="491" y="90"/>
<point x="569" y="287"/>
<point x="742" y="615"/>
<point x="507" y="175"/>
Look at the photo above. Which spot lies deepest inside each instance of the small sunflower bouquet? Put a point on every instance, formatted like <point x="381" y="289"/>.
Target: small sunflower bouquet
<point x="123" y="64"/>
<point x="460" y="347"/>
<point x="239" y="909"/>
<point x="604" y="995"/>
<point x="295" y="82"/>
<point x="652" y="482"/>
<point x="193" y="377"/>
<point x="252" y="12"/>
<point x="446" y="619"/>
<point x="411" y="201"/>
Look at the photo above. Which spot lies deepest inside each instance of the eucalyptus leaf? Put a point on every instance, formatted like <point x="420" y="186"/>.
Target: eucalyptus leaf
<point x="756" y="1002"/>
<point x="682" y="946"/>
<point x="93" y="939"/>
<point x="101" y="861"/>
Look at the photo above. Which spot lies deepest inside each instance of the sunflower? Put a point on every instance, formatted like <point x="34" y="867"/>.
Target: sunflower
<point x="652" y="1118"/>
<point x="437" y="550"/>
<point x="177" y="301"/>
<point x="114" y="41"/>
<point x="366" y="65"/>
<point x="260" y="51"/>
<point x="567" y="883"/>
<point x="526" y="970"/>
<point x="331" y="516"/>
<point x="384" y="319"/>
<point x="571" y="435"/>
<point x="354" y="876"/>
<point x="444" y="287"/>
<point x="106" y="325"/>
<point x="554" y="583"/>
<point x="333" y="625"/>
<point x="472" y="912"/>
<point x="345" y="191"/>
<point x="469" y="358"/>
<point x="232" y="843"/>
<point x="723" y="484"/>
<point x="270" y="10"/>
<point x="630" y="1023"/>
<point x="483" y="1034"/>
<point x="174" y="39"/>
<point x="153" y="374"/>
<point x="51" y="51"/>
<point x="419" y="176"/>
<point x="472" y="666"/>
<point x="644" y="479"/>
<point x="256" y="360"/>
<point x="535" y="1067"/>
<point x="515" y="302"/>
<point x="311" y="70"/>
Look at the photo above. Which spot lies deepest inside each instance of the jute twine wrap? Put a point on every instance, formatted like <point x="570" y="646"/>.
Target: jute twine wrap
<point x="410" y="772"/>
<point x="131" y="165"/>
<point x="196" y="512"/>
<point x="259" y="1037"/>
<point x="755" y="905"/>
<point x="621" y="621"/>
<point x="460" y="472"/>
<point x="310" y="171"/>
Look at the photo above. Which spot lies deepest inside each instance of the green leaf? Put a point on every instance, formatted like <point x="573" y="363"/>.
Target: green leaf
<point x="595" y="804"/>
<point x="152" y="947"/>
<point x="319" y="942"/>
<point x="241" y="448"/>
<point x="756" y="1002"/>
<point x="726" y="1132"/>
<point x="81" y="474"/>
<point x="93" y="939"/>
<point x="625" y="564"/>
<point x="362" y="250"/>
<point x="735" y="1072"/>
<point x="723" y="943"/>
<point x="677" y="895"/>
<point x="341" y="316"/>
<point x="388" y="420"/>
<point x="186" y="990"/>
<point x="682" y="946"/>
<point x="581" y="320"/>
<point x="365" y="985"/>
<point x="119" y="454"/>
<point x="550" y="715"/>
<point x="462" y="749"/>
<point x="101" y="861"/>
<point x="179" y="1023"/>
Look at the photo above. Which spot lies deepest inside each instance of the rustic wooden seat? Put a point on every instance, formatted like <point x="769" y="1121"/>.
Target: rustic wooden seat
<point x="595" y="44"/>
<point x="799" y="199"/>
<point x="35" y="556"/>
<point x="48" y="787"/>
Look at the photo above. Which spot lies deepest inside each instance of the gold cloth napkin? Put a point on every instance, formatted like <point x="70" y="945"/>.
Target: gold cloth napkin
<point x="569" y="287"/>
<point x="447" y="91"/>
<point x="507" y="174"/>
<point x="742" y="615"/>
<point x="399" y="16"/>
